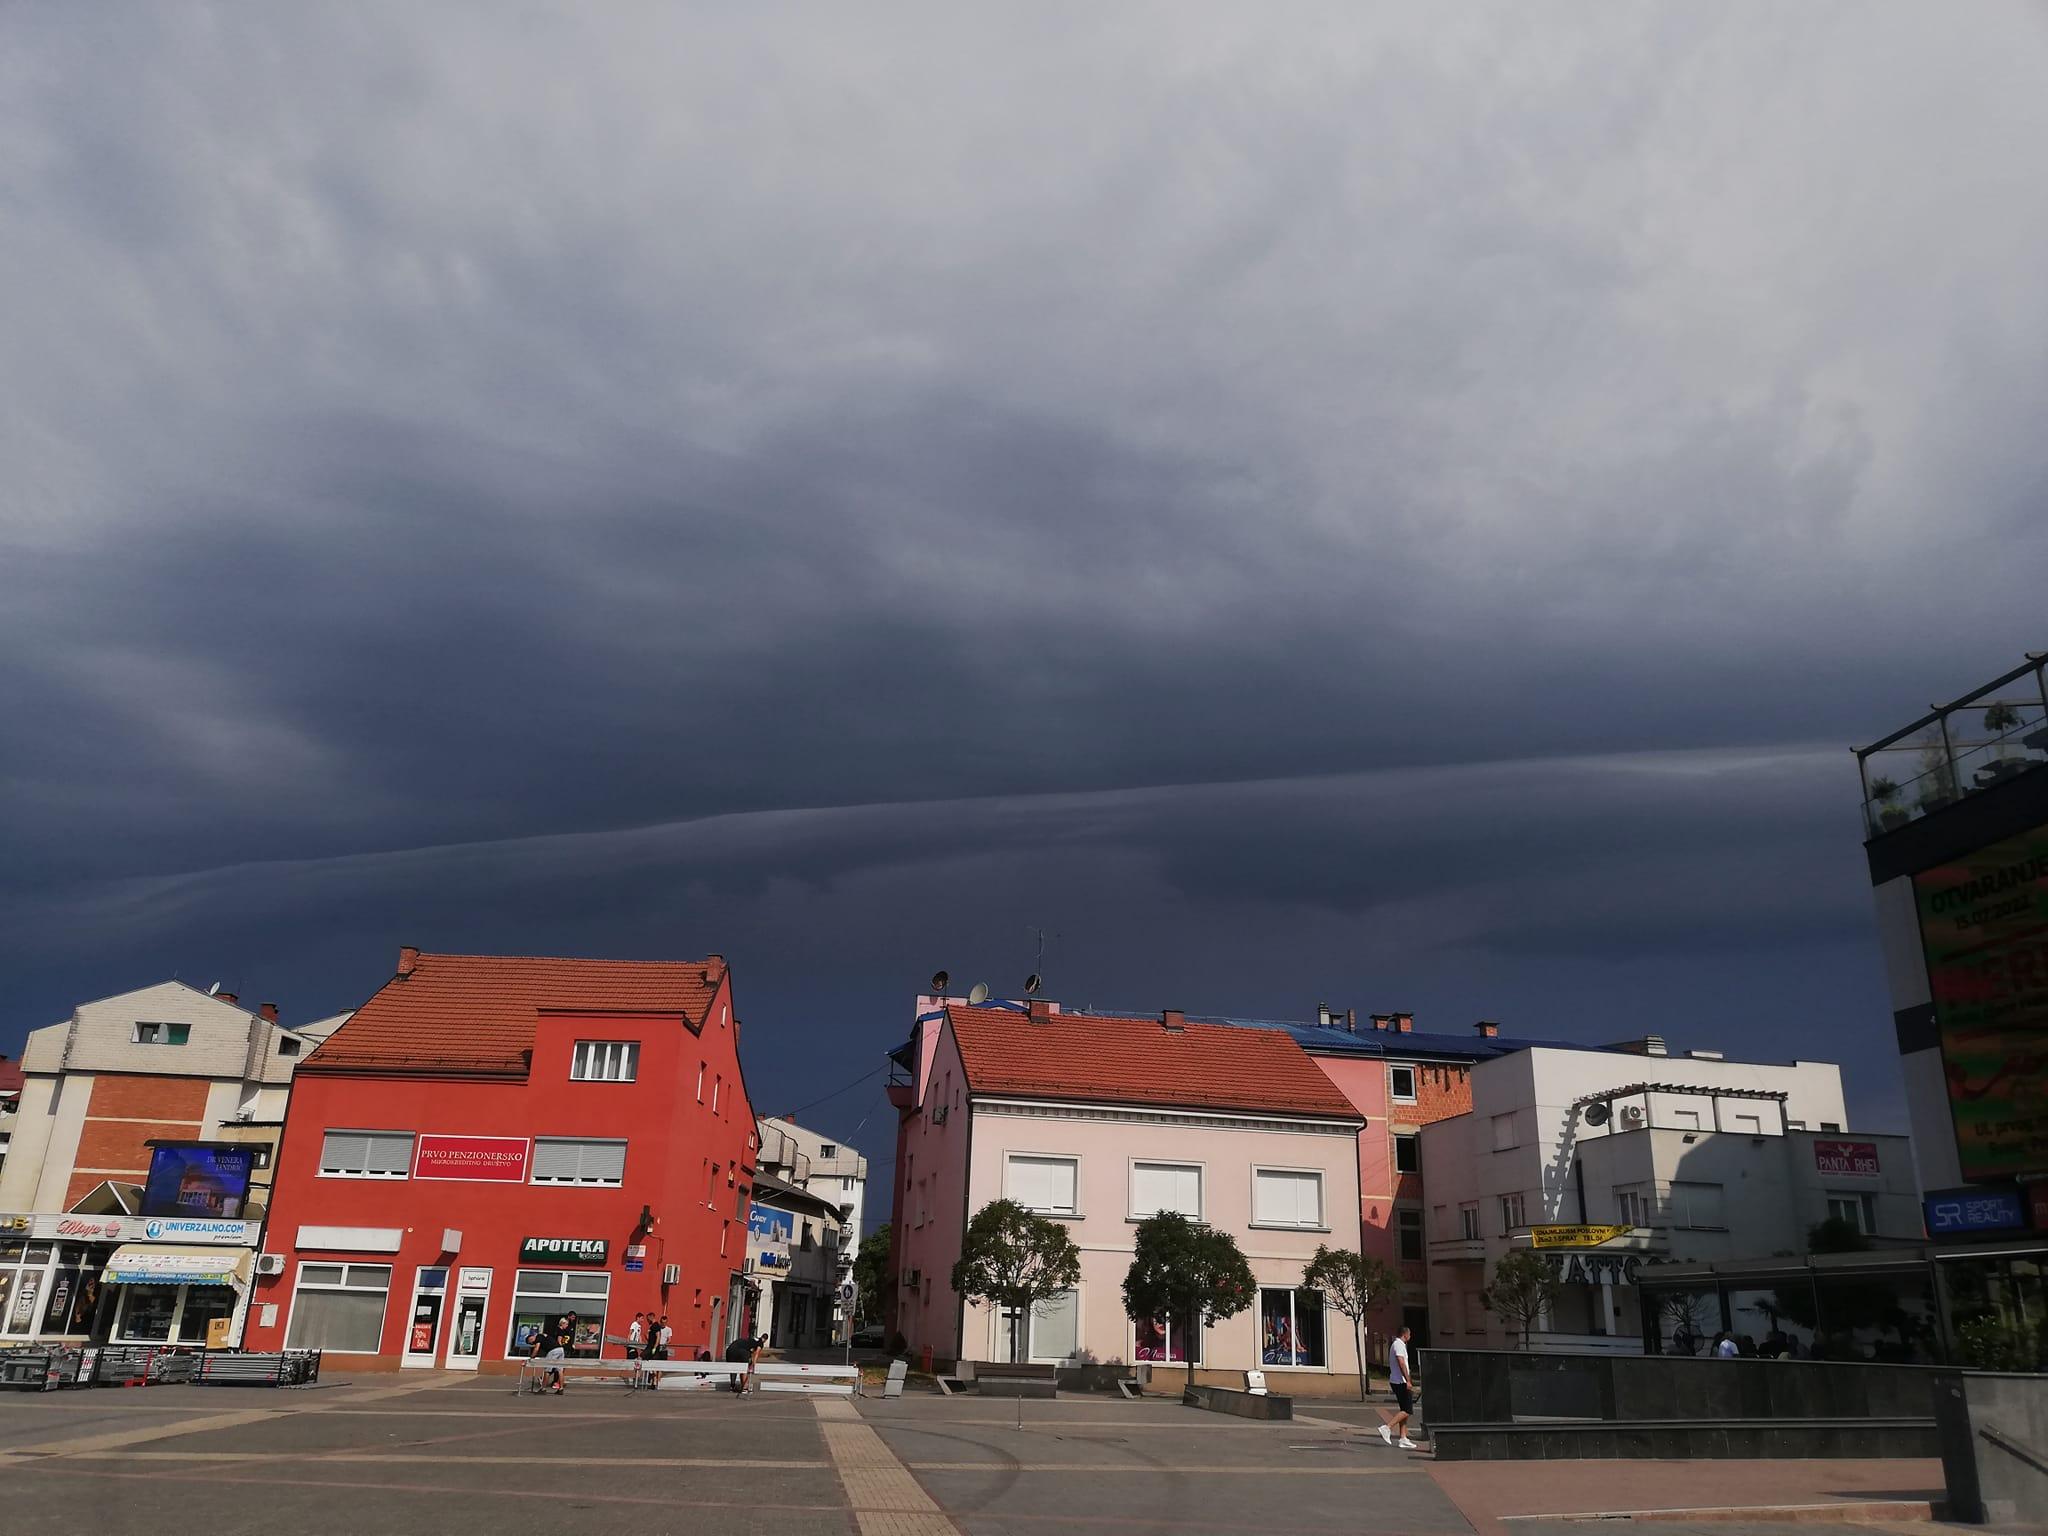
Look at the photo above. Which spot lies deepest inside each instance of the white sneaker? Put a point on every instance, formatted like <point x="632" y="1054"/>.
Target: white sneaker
<point x="1386" y="1434"/>
<point x="1407" y="1444"/>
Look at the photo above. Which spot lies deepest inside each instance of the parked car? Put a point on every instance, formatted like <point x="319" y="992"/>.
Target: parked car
<point x="869" y="1336"/>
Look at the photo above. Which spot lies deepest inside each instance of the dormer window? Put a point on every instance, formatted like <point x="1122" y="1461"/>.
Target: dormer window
<point x="287" y="1046"/>
<point x="605" y="1061"/>
<point x="161" y="1034"/>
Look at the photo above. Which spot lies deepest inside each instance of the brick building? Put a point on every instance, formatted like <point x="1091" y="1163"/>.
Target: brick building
<point x="491" y="1141"/>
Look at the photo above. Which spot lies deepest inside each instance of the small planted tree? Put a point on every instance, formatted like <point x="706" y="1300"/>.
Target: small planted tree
<point x="874" y="1279"/>
<point x="1354" y="1285"/>
<point x="1191" y="1274"/>
<point x="1015" y="1259"/>
<point x="1523" y="1288"/>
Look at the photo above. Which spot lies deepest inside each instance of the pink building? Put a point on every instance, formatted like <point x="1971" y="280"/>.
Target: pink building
<point x="1099" y="1121"/>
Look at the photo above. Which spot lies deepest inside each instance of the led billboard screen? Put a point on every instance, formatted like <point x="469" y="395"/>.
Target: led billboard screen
<point x="1984" y="926"/>
<point x="198" y="1181"/>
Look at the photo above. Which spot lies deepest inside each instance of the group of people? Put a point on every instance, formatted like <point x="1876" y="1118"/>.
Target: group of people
<point x="1777" y="1345"/>
<point x="648" y="1337"/>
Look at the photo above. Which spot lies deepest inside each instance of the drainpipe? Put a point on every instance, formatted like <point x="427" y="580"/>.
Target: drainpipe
<point x="1579" y="1176"/>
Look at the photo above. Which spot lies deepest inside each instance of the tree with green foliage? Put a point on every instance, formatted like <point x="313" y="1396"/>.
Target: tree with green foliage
<point x="1353" y="1284"/>
<point x="1015" y="1260"/>
<point x="1835" y="1236"/>
<point x="1188" y="1273"/>
<point x="874" y="1278"/>
<point x="1523" y="1288"/>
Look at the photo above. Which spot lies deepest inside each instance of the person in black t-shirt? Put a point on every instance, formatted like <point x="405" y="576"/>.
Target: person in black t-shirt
<point x="559" y="1337"/>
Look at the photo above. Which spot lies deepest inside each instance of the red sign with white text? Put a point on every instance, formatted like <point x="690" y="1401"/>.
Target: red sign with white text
<point x="1846" y="1159"/>
<point x="484" y="1159"/>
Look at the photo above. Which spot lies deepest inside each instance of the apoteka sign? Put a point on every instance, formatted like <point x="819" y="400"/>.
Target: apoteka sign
<point x="563" y="1250"/>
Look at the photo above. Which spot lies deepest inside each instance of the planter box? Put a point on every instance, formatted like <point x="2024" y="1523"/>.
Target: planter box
<point x="1244" y="1405"/>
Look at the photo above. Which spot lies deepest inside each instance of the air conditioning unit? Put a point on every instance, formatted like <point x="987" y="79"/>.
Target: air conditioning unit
<point x="269" y="1263"/>
<point x="939" y="1114"/>
<point x="911" y="1277"/>
<point x="1632" y="1115"/>
<point x="671" y="1274"/>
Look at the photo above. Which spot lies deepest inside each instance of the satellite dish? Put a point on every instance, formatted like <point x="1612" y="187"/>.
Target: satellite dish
<point x="980" y="993"/>
<point x="1597" y="1113"/>
<point x="1032" y="983"/>
<point x="939" y="980"/>
<point x="214" y="990"/>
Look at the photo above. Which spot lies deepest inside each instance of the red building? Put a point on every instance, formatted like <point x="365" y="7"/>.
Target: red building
<point x="494" y="1140"/>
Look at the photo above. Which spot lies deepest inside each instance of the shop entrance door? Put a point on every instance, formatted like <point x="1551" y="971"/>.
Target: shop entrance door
<point x="472" y="1300"/>
<point x="423" y="1322"/>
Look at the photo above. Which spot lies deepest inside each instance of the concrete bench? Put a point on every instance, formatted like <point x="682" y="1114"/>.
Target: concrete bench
<point x="1004" y="1379"/>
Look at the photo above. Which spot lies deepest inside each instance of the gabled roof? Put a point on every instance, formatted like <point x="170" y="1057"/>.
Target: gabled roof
<point x="1109" y="1059"/>
<point x="470" y="1015"/>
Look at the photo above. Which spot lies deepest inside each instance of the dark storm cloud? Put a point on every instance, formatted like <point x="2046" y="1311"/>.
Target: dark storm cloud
<point x="1399" y="496"/>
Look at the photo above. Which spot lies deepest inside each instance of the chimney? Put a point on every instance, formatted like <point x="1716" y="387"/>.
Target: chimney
<point x="1174" y="1021"/>
<point x="269" y="1012"/>
<point x="408" y="957"/>
<point x="1404" y="1023"/>
<point x="1488" y="1028"/>
<point x="1382" y="1021"/>
<point x="1323" y="1015"/>
<point x="1351" y="1020"/>
<point x="1041" y="1010"/>
<point x="1648" y="1045"/>
<point x="226" y="997"/>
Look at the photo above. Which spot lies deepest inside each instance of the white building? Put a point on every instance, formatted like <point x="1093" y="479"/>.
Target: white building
<point x="794" y="1244"/>
<point x="836" y="1174"/>
<point x="1698" y="1159"/>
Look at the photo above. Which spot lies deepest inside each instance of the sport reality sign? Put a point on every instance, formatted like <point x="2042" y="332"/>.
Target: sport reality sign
<point x="196" y="1179"/>
<point x="1984" y="928"/>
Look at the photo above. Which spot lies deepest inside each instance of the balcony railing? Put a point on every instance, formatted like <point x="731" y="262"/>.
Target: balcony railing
<point x="1986" y="737"/>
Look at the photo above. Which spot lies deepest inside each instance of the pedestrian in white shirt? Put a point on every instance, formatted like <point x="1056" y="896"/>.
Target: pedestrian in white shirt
<point x="1401" y="1379"/>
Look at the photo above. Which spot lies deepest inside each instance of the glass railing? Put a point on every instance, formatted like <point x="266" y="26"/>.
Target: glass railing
<point x="1986" y="737"/>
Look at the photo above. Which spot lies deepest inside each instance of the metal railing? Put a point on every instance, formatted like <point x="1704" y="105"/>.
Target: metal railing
<point x="1989" y="735"/>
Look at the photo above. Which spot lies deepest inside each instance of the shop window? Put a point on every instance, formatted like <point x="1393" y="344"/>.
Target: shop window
<point x="1410" y="1223"/>
<point x="1856" y="1210"/>
<point x="1157" y="1187"/>
<point x="570" y="1160"/>
<point x="339" y="1307"/>
<point x="147" y="1312"/>
<point x="1047" y="1184"/>
<point x="161" y="1034"/>
<point x="1287" y="1197"/>
<point x="1055" y="1334"/>
<point x="203" y="1304"/>
<point x="366" y="1154"/>
<point x="540" y="1296"/>
<point x="1164" y="1342"/>
<point x="1513" y="1213"/>
<point x="1401" y="1084"/>
<point x="1407" y="1152"/>
<point x="1291" y="1328"/>
<point x="23" y="1269"/>
<point x="605" y="1061"/>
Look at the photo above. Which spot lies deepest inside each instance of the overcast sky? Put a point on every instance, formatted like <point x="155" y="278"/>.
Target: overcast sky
<point x="1389" y="506"/>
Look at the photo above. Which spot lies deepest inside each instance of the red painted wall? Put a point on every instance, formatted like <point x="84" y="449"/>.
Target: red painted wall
<point x="673" y="1142"/>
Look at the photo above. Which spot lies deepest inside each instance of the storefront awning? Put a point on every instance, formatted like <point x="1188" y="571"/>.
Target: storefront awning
<point x="160" y="1264"/>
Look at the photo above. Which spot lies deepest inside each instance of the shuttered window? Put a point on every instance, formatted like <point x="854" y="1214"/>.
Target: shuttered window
<point x="1043" y="1183"/>
<point x="366" y="1154"/>
<point x="1159" y="1187"/>
<point x="1287" y="1197"/>
<point x="566" y="1160"/>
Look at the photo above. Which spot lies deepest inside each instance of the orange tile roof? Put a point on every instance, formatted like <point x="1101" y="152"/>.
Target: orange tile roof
<point x="470" y="1014"/>
<point x="1097" y="1058"/>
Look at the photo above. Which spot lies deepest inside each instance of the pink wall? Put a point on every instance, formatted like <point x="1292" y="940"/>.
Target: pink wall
<point x="1363" y="1081"/>
<point x="931" y="1183"/>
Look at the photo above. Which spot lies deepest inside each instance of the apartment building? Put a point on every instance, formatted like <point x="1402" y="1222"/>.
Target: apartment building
<point x="814" y="1162"/>
<point x="795" y="1245"/>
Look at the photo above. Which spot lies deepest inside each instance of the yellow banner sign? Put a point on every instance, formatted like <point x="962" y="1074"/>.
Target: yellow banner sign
<point x="1575" y="1237"/>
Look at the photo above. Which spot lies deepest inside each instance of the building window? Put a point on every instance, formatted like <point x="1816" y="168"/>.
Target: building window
<point x="1513" y="1213"/>
<point x="1795" y="1125"/>
<point x="1634" y="1207"/>
<point x="1291" y="1327"/>
<point x="339" y="1307"/>
<point x="1468" y="1219"/>
<point x="1055" y="1333"/>
<point x="1504" y="1133"/>
<point x="1401" y="1084"/>
<point x="1159" y="1187"/>
<point x="1830" y="1125"/>
<point x="287" y="1046"/>
<point x="1046" y="1184"/>
<point x="1475" y="1312"/>
<point x="700" y="1082"/>
<point x="1697" y="1205"/>
<point x="1407" y="1152"/>
<point x="605" y="1061"/>
<point x="1410" y="1225"/>
<point x="162" y="1034"/>
<point x="366" y="1154"/>
<point x="717" y="1091"/>
<point x="1858" y="1210"/>
<point x="541" y="1296"/>
<point x="1157" y="1341"/>
<point x="259" y="1156"/>
<point x="1287" y="1197"/>
<point x="827" y="1150"/>
<point x="569" y="1160"/>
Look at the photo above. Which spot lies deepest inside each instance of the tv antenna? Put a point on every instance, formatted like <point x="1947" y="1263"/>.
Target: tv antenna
<point x="1036" y="979"/>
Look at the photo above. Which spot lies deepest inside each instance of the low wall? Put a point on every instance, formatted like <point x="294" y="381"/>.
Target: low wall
<point x="1508" y="1405"/>
<point x="1994" y="1445"/>
<point x="1244" y="1405"/>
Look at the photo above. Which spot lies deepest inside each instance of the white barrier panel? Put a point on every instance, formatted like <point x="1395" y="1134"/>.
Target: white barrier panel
<point x="821" y="1380"/>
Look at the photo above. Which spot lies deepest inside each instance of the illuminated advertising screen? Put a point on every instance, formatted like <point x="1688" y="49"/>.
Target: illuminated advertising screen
<point x="198" y="1181"/>
<point x="1984" y="926"/>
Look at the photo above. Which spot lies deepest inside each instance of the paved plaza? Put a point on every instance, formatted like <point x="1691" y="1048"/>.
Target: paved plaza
<point x="455" y="1456"/>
